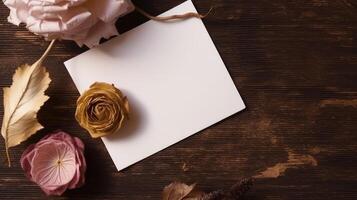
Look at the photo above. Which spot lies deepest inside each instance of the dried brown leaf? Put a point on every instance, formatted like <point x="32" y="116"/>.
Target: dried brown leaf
<point x="177" y="191"/>
<point x="22" y="101"/>
<point x="181" y="191"/>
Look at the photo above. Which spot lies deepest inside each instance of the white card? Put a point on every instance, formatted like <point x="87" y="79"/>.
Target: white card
<point x="174" y="78"/>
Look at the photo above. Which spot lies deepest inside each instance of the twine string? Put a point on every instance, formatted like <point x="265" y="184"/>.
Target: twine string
<point x="184" y="16"/>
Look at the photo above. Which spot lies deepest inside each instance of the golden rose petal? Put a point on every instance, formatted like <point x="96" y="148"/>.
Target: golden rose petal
<point x="102" y="109"/>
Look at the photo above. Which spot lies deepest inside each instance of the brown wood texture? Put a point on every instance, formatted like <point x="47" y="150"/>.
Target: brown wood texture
<point x="293" y="61"/>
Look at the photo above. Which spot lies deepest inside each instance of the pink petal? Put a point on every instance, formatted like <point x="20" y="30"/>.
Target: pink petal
<point x="18" y="11"/>
<point x="55" y="191"/>
<point x="109" y="10"/>
<point x="45" y="170"/>
<point x="79" y="178"/>
<point x="79" y="143"/>
<point x="40" y="163"/>
<point x="26" y="160"/>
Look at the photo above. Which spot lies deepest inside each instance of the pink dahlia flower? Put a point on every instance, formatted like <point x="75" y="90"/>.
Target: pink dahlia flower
<point x="56" y="163"/>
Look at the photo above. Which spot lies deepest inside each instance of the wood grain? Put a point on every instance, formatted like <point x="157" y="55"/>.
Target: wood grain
<point x="295" y="64"/>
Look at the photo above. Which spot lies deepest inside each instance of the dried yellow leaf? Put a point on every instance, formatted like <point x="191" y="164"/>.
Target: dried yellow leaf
<point x="22" y="101"/>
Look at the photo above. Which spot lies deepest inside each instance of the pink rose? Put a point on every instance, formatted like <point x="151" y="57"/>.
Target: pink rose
<point x="84" y="21"/>
<point x="56" y="163"/>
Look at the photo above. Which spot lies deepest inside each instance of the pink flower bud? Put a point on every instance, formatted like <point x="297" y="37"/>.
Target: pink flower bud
<point x="56" y="163"/>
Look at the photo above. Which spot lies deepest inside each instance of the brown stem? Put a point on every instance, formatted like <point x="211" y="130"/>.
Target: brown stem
<point x="44" y="55"/>
<point x="173" y="17"/>
<point x="7" y="155"/>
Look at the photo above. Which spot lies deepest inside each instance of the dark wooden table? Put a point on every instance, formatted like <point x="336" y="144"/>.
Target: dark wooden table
<point x="295" y="64"/>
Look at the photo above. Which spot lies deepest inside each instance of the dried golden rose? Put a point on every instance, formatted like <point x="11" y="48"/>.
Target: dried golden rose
<point x="102" y="109"/>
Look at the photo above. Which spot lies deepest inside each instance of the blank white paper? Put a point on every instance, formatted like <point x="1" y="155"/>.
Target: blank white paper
<point x="174" y="78"/>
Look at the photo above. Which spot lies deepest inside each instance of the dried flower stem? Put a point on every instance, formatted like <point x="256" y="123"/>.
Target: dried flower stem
<point x="43" y="57"/>
<point x="236" y="192"/>
<point x="173" y="17"/>
<point x="7" y="153"/>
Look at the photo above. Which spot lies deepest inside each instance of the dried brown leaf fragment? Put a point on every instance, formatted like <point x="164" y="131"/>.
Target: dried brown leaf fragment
<point x="182" y="191"/>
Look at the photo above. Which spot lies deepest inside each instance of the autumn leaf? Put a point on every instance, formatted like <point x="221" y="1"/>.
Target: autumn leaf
<point x="22" y="101"/>
<point x="177" y="191"/>
<point x="182" y="191"/>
